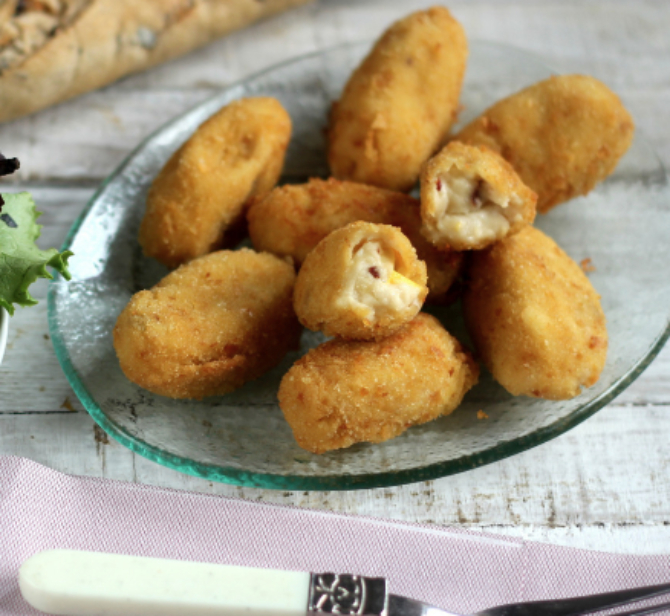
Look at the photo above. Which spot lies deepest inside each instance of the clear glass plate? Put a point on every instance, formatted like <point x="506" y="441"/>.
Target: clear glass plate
<point x="242" y="438"/>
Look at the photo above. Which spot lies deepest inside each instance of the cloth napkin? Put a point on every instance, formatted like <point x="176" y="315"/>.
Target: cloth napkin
<point x="458" y="570"/>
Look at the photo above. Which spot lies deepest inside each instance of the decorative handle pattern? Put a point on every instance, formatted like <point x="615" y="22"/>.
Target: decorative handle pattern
<point x="349" y="595"/>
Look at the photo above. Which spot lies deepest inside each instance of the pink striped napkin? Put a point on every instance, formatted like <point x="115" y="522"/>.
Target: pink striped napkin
<point x="458" y="570"/>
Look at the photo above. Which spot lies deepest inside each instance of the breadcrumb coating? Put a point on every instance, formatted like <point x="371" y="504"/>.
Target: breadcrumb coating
<point x="346" y="392"/>
<point x="399" y="104"/>
<point x="201" y="193"/>
<point x="562" y="135"/>
<point x="535" y="318"/>
<point x="209" y="326"/>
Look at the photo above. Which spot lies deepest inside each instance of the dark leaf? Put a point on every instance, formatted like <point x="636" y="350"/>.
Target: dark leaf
<point x="8" y="165"/>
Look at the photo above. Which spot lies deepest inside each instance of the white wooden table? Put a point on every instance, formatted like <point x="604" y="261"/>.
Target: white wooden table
<point x="604" y="485"/>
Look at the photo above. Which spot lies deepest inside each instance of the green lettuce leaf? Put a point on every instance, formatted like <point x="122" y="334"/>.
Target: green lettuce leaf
<point x="21" y="261"/>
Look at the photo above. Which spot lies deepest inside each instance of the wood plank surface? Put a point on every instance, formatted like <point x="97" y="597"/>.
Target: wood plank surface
<point x="604" y="485"/>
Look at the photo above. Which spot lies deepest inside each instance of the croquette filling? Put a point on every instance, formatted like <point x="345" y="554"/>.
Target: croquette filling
<point x="469" y="210"/>
<point x="374" y="284"/>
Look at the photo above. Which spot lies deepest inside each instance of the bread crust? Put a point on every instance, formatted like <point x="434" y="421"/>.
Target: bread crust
<point x="109" y="39"/>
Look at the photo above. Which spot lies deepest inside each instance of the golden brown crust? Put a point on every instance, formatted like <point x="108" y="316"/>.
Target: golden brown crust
<point x="534" y="317"/>
<point x="343" y="393"/>
<point x="109" y="39"/>
<point x="209" y="326"/>
<point x="471" y="197"/>
<point x="26" y="26"/>
<point x="293" y="219"/>
<point x="361" y="282"/>
<point x="562" y="135"/>
<point x="202" y="191"/>
<point x="397" y="107"/>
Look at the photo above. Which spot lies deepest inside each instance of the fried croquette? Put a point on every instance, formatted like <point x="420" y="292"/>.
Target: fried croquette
<point x="534" y="317"/>
<point x="562" y="135"/>
<point x="471" y="197"/>
<point x="201" y="193"/>
<point x="209" y="326"/>
<point x="362" y="281"/>
<point x="346" y="392"/>
<point x="397" y="107"/>
<point x="293" y="219"/>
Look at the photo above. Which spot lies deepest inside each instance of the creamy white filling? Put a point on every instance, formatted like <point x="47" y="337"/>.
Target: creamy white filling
<point x="468" y="210"/>
<point x="374" y="288"/>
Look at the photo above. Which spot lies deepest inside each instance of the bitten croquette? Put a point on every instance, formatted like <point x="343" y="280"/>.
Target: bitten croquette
<point x="363" y="281"/>
<point x="471" y="197"/>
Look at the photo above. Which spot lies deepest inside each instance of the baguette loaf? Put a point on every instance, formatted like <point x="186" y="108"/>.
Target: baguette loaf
<point x="52" y="50"/>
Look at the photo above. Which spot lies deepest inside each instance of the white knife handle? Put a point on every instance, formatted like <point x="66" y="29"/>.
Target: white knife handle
<point x="73" y="583"/>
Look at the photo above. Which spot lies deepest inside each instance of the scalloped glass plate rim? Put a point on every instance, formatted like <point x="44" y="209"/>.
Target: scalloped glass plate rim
<point x="240" y="477"/>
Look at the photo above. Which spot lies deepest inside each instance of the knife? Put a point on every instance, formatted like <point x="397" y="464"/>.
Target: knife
<point x="79" y="583"/>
